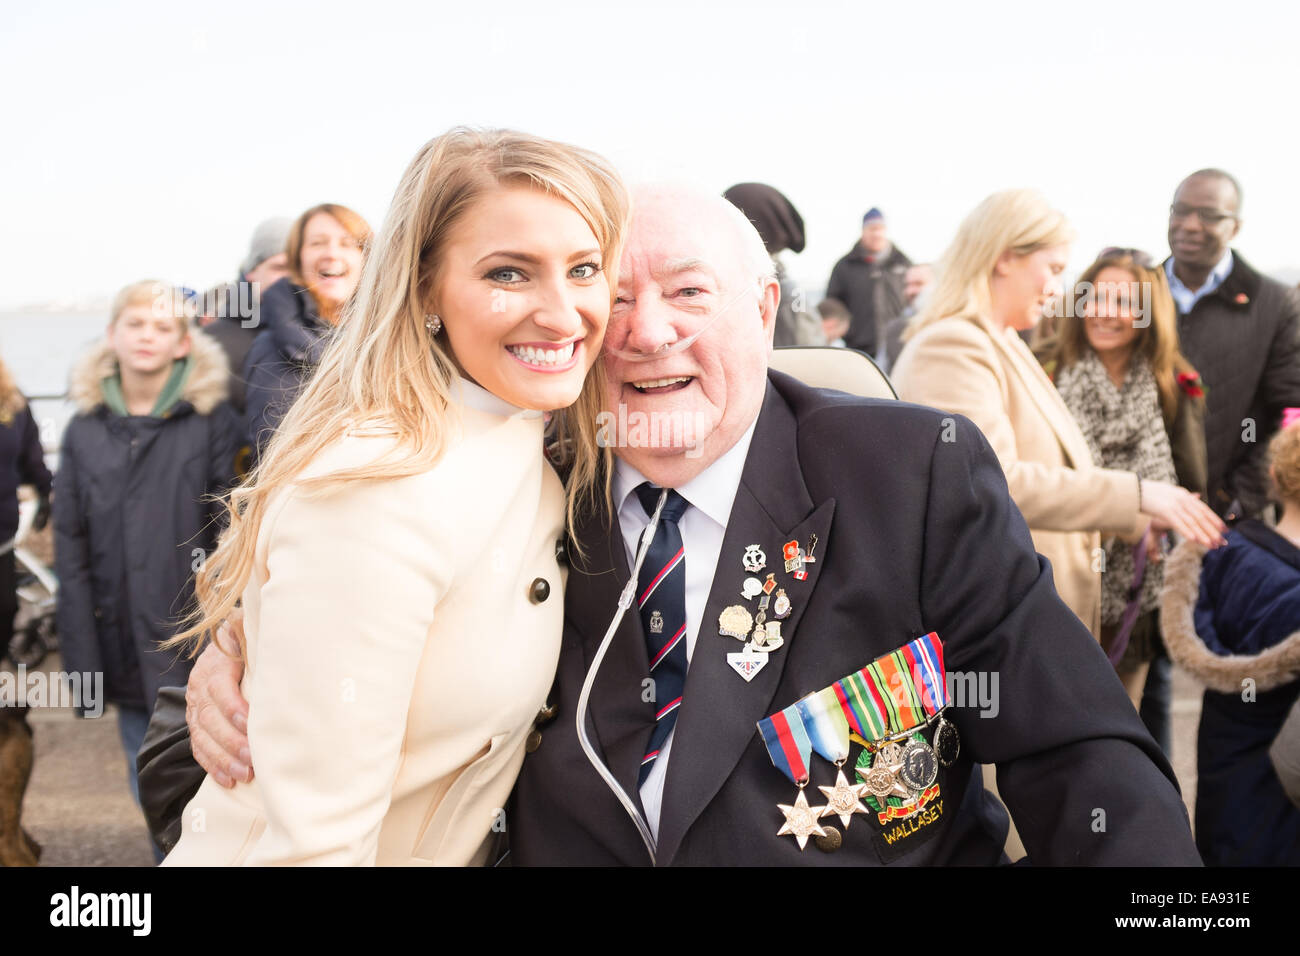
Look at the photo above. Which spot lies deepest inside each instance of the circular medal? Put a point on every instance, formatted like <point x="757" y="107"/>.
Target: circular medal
<point x="920" y="766"/>
<point x="947" y="743"/>
<point x="830" y="841"/>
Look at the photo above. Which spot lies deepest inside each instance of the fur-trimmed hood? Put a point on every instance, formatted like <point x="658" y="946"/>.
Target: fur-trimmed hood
<point x="1269" y="668"/>
<point x="207" y="386"/>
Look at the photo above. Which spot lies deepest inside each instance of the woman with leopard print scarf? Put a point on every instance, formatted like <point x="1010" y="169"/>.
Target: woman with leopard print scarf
<point x="1141" y="406"/>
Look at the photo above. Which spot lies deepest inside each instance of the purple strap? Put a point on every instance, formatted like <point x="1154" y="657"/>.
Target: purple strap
<point x="1134" y="605"/>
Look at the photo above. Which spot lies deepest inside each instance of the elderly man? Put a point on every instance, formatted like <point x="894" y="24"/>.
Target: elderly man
<point x="856" y="527"/>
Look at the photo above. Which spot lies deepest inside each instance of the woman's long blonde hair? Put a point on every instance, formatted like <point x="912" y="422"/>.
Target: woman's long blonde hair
<point x="1017" y="220"/>
<point x="383" y="364"/>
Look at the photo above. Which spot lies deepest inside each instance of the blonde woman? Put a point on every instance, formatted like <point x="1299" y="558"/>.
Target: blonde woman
<point x="395" y="551"/>
<point x="964" y="355"/>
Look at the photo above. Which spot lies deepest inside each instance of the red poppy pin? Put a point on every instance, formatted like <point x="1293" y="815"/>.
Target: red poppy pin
<point x="1191" y="384"/>
<point x="1242" y="298"/>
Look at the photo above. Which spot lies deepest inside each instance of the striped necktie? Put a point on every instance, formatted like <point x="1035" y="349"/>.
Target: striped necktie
<point x="661" y="599"/>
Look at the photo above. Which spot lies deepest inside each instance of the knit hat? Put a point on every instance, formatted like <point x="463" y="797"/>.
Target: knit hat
<point x="777" y="221"/>
<point x="873" y="215"/>
<point x="269" y="239"/>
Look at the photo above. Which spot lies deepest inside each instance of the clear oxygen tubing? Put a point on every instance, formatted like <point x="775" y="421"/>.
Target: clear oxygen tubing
<point x="624" y="602"/>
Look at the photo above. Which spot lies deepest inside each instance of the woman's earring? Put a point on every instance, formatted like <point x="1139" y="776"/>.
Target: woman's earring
<point x="432" y="323"/>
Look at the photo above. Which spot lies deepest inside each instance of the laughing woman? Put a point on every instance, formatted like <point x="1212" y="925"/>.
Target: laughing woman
<point x="395" y="551"/>
<point x="326" y="248"/>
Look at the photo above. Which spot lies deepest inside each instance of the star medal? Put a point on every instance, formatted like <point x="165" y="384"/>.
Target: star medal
<point x="789" y="746"/>
<point x="801" y="820"/>
<point x="844" y="799"/>
<point x="879" y="772"/>
<point x="754" y="560"/>
<point x="828" y="732"/>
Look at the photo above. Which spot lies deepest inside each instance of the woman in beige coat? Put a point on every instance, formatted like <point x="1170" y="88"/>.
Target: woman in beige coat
<point x="395" y="552"/>
<point x="964" y="355"/>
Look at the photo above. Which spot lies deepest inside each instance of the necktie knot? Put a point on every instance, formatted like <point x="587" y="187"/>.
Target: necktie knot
<point x="674" y="507"/>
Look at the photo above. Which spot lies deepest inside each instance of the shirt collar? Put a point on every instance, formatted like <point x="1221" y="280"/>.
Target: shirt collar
<point x="465" y="392"/>
<point x="1222" y="269"/>
<point x="712" y="491"/>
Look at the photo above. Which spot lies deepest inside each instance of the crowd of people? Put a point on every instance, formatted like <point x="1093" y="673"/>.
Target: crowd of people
<point x="337" y="460"/>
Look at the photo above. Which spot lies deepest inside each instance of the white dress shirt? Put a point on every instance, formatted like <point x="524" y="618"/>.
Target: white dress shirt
<point x="703" y="525"/>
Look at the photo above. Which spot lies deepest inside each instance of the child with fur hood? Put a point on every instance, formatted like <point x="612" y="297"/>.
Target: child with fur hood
<point x="1232" y="618"/>
<point x="152" y="442"/>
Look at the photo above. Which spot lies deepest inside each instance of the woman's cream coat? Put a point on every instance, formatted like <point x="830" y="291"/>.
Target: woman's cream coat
<point x="396" y="660"/>
<point x="963" y="365"/>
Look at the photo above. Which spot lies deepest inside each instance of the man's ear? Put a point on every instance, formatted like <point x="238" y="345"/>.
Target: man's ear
<point x="1236" y="228"/>
<point x="768" y="300"/>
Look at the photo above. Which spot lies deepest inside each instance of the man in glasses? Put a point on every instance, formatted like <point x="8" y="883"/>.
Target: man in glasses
<point x="1239" y="329"/>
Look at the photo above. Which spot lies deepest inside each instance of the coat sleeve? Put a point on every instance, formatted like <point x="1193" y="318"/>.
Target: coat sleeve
<point x="960" y="371"/>
<point x="31" y="459"/>
<point x="228" y="441"/>
<point x="1084" y="781"/>
<point x="75" y="610"/>
<point x="353" y="578"/>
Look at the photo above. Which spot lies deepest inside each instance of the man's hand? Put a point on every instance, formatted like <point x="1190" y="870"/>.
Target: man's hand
<point x="216" y="712"/>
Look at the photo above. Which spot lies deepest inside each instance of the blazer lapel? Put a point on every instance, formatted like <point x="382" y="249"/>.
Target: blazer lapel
<point x="1047" y="399"/>
<point x="620" y="718"/>
<point x="720" y="711"/>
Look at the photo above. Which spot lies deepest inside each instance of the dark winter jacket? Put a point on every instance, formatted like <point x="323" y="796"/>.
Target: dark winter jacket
<point x="131" y="523"/>
<point x="236" y="326"/>
<point x="1242" y="338"/>
<point x="873" y="293"/>
<point x="282" y="358"/>
<point x="1232" y="618"/>
<point x="22" y="462"/>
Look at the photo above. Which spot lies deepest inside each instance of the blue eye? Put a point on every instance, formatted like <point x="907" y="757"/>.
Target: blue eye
<point x="693" y="289"/>
<point x="505" y="274"/>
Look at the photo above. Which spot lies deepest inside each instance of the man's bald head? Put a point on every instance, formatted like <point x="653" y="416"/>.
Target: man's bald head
<point x="691" y="329"/>
<point x="690" y="205"/>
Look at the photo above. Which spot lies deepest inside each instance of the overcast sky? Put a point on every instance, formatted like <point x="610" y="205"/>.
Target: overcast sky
<point x="148" y="139"/>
